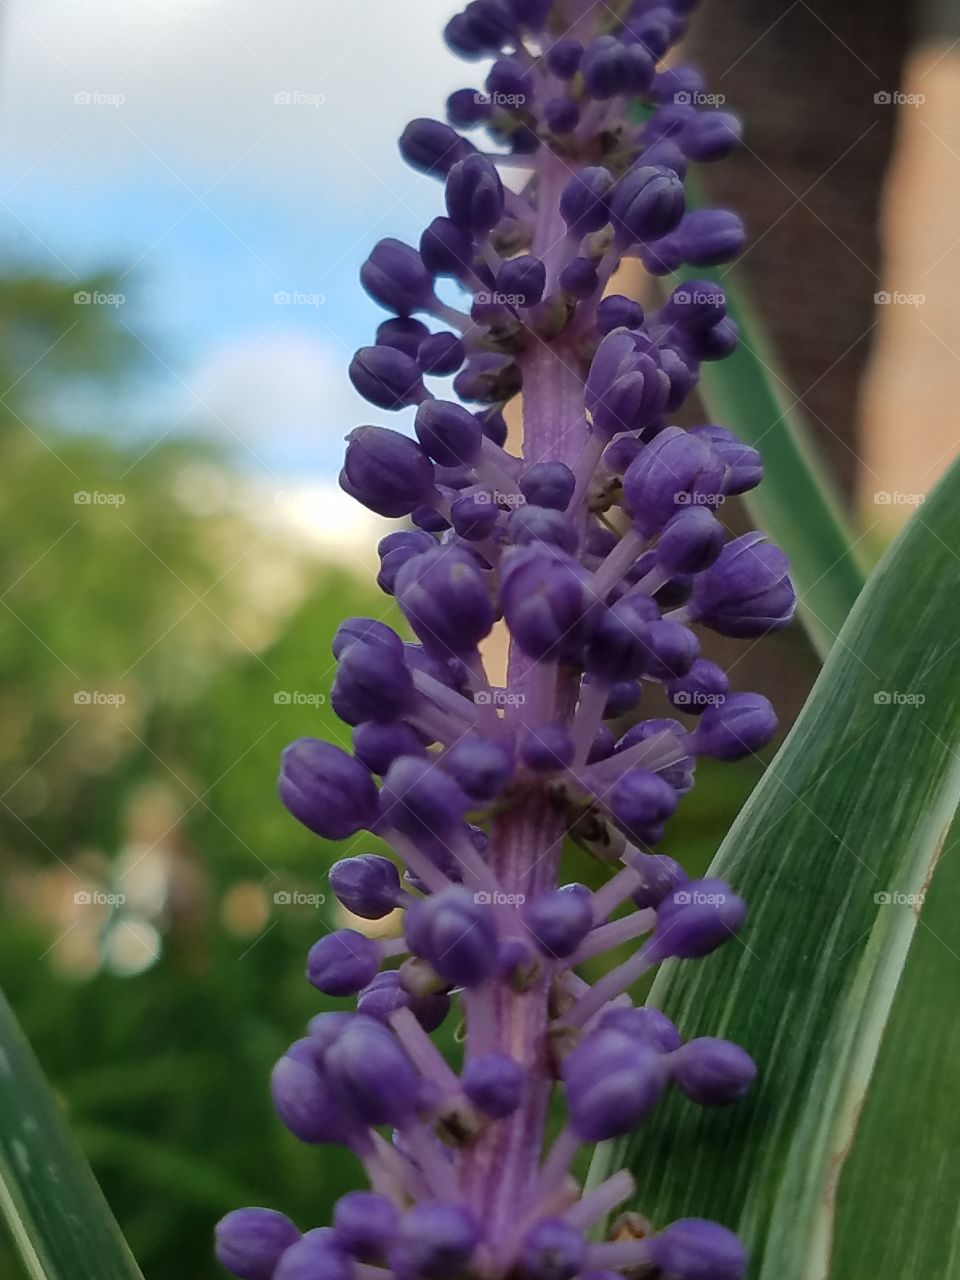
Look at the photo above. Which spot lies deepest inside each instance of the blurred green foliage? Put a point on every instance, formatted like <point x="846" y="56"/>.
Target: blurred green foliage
<point x="216" y="634"/>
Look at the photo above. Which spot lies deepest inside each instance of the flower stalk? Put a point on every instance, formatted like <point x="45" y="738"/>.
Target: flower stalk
<point x="477" y="790"/>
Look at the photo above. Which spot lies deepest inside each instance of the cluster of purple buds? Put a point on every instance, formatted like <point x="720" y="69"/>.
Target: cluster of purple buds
<point x="601" y="553"/>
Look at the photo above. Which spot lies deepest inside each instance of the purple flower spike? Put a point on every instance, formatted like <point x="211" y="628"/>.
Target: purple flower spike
<point x="316" y="1257"/>
<point x="364" y="1224"/>
<point x="435" y="1242"/>
<point x="552" y="1250"/>
<point x="494" y="1083"/>
<point x="327" y="790"/>
<point x="250" y="1242"/>
<point x="342" y="962"/>
<point x="712" y="1072"/>
<point x="694" y="1249"/>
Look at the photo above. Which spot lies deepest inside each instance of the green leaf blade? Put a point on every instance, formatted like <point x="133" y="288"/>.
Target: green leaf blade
<point x="857" y="803"/>
<point x="56" y="1213"/>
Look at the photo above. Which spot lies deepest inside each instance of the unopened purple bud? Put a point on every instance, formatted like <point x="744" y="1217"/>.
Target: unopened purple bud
<point x="250" y="1242"/>
<point x="494" y="1083"/>
<point x="304" y="1101"/>
<point x="694" y="1249"/>
<point x="579" y="279"/>
<point x="435" y="1242"/>
<point x="640" y="800"/>
<point x="672" y="649"/>
<point x="474" y="516"/>
<point x="327" y="790"/>
<point x="661" y="876"/>
<point x="548" y="484"/>
<point x="509" y="77"/>
<point x="546" y="748"/>
<point x="385" y="471"/>
<point x="602" y="746"/>
<point x="317" y="1256"/>
<point x="421" y="800"/>
<point x="712" y="1072"/>
<point x="678" y="80"/>
<point x="622" y="697"/>
<point x="386" y="377"/>
<point x="364" y="1224"/>
<point x="466" y="108"/>
<point x="705" y="685"/>
<point x="377" y="745"/>
<point x="617" y="648"/>
<point x="747" y="591"/>
<point x="522" y="279"/>
<point x="695" y="306"/>
<point x="446" y="250"/>
<point x="743" y="462"/>
<point x="481" y="767"/>
<point x="625" y="387"/>
<point x="403" y="334"/>
<point x="711" y="135"/>
<point x="449" y="434"/>
<point x="709" y="237"/>
<point x="552" y="1250"/>
<point x="584" y="201"/>
<point x="372" y="683"/>
<point x="610" y="68"/>
<point x="456" y="934"/>
<point x="395" y="550"/>
<point x="545" y="602"/>
<point x="691" y="541"/>
<point x="740" y="725"/>
<point x="474" y="195"/>
<point x="372" y="1075"/>
<point x="445" y="599"/>
<point x="441" y="354"/>
<point x="558" y="920"/>
<point x="697" y="918"/>
<point x="367" y="631"/>
<point x="613" y="1083"/>
<point x="382" y="997"/>
<point x="530" y="525"/>
<point x="675" y="470"/>
<point x="647" y="203"/>
<point x="394" y="275"/>
<point x="432" y="147"/>
<point x="717" y="342"/>
<point x="561" y="115"/>
<point x="368" y="885"/>
<point x="646" y="1024"/>
<point x="342" y="962"/>
<point x="563" y="58"/>
<point x="618" y="312"/>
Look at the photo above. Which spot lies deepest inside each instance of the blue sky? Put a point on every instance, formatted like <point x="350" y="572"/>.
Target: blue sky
<point x="144" y="136"/>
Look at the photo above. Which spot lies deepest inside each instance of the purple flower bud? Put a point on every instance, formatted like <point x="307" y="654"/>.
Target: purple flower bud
<point x="523" y="280"/>
<point x="548" y="484"/>
<point x="317" y="1256"/>
<point x="639" y="800"/>
<point x="327" y="790"/>
<point x="583" y="201"/>
<point x="367" y="885"/>
<point x="622" y="697"/>
<point x="563" y="58"/>
<point x="678" y="775"/>
<point x="674" y="471"/>
<point x="712" y="1072"/>
<point x="422" y="801"/>
<point x="474" y="195"/>
<point x="342" y="962"/>
<point x="691" y="541"/>
<point x="435" y="1242"/>
<point x="474" y="516"/>
<point x="546" y="748"/>
<point x="364" y="1224"/>
<point x="558" y="920"/>
<point x="432" y="147"/>
<point x="481" y="767"/>
<point x="694" y="307"/>
<point x="625" y="389"/>
<point x="717" y="342"/>
<point x="386" y="377"/>
<point x="646" y="1024"/>
<point x="445" y="600"/>
<point x="249" y="1242"/>
<point x="377" y="745"/>
<point x="494" y="1084"/>
<point x="705" y="685"/>
<point x="610" y="68"/>
<point x="466" y="108"/>
<point x="441" y="354"/>
<point x="368" y="631"/>
<point x="579" y="279"/>
<point x="371" y="1074"/>
<point x="510" y="78"/>
<point x="661" y="876"/>
<point x="646" y="203"/>
<point x="382" y="997"/>
<point x="711" y="135"/>
<point x="679" y="79"/>
<point x="386" y="472"/>
<point x="672" y="650"/>
<point x="601" y="748"/>
<point x="449" y="434"/>
<point x="748" y="591"/>
<point x="696" y="919"/>
<point x="403" y="334"/>
<point x="455" y="933"/>
<point x="532" y="526"/>
<point x="394" y="276"/>
<point x="561" y="115"/>
<point x="742" y="724"/>
<point x="743" y="462"/>
<point x="618" y="312"/>
<point x="372" y="683"/>
<point x="694" y="1249"/>
<point x="493" y="425"/>
<point x="552" y="1250"/>
<point x="709" y="237"/>
<point x="613" y="1083"/>
<point x="446" y="250"/>
<point x="532" y="13"/>
<point x="322" y="1030"/>
<point x="544" y="601"/>
<point x="304" y="1101"/>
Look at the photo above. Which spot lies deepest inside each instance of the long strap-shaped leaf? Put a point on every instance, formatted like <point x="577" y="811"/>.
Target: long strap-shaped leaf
<point x="57" y="1215"/>
<point x="832" y="852"/>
